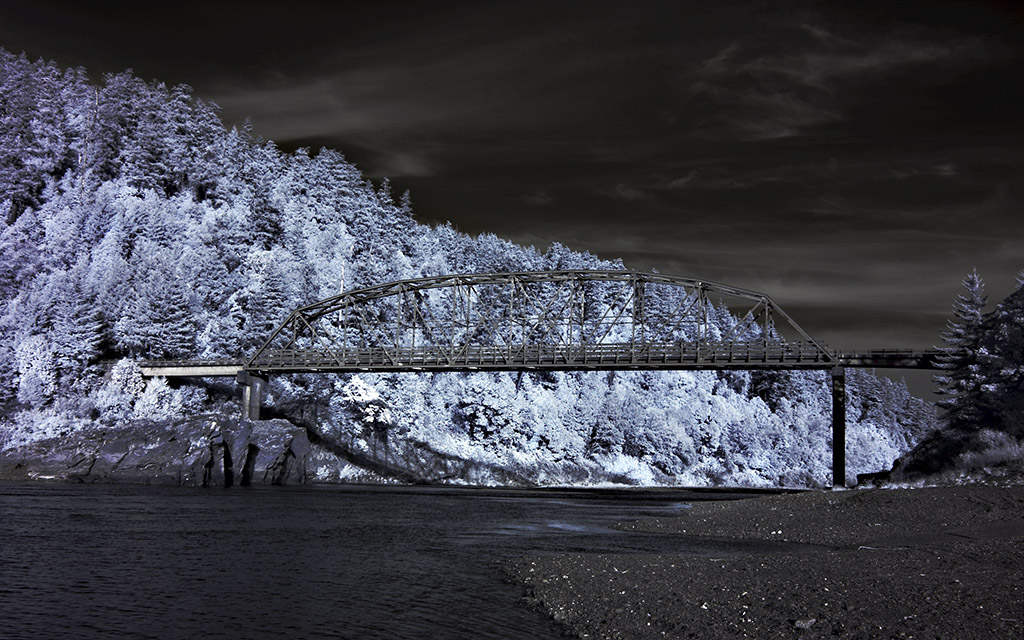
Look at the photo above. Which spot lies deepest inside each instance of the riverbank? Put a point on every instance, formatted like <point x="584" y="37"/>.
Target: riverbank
<point x="942" y="562"/>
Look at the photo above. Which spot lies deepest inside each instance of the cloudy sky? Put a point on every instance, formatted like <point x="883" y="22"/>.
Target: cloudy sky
<point x="853" y="161"/>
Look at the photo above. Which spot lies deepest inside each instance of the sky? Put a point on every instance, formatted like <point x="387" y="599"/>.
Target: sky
<point x="851" y="160"/>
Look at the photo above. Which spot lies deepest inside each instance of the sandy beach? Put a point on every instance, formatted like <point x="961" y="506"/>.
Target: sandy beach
<point x="943" y="562"/>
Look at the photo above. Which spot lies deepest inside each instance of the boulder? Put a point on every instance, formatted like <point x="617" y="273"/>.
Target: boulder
<point x="200" y="451"/>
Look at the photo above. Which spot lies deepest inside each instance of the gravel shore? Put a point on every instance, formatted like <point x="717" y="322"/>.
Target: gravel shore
<point x="941" y="562"/>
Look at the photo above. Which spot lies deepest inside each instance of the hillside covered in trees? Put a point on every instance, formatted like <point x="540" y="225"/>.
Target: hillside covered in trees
<point x="134" y="225"/>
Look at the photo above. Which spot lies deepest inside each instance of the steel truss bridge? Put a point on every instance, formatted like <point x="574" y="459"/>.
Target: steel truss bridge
<point x="544" y="320"/>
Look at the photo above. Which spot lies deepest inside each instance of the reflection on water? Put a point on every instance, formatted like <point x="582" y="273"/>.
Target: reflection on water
<point x="345" y="561"/>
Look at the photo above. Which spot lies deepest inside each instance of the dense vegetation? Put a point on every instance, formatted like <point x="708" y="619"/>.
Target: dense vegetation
<point x="134" y="225"/>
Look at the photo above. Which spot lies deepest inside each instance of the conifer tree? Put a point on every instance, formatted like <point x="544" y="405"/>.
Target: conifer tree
<point x="8" y="368"/>
<point x="19" y="246"/>
<point x="270" y="301"/>
<point x="1005" y="384"/>
<point x="158" y="319"/>
<point x="113" y="123"/>
<point x="77" y="326"/>
<point x="143" y="157"/>
<point x="19" y="181"/>
<point x="962" y="358"/>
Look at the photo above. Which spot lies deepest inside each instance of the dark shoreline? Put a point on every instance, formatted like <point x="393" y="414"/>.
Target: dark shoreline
<point x="918" y="563"/>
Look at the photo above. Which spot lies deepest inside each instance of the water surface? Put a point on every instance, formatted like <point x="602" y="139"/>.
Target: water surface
<point x="107" y="561"/>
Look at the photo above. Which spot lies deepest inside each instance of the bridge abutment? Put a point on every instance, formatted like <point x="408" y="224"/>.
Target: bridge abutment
<point x="839" y="427"/>
<point x="253" y="388"/>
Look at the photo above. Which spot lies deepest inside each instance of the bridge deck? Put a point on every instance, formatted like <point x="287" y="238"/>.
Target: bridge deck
<point x="892" y="359"/>
<point x="193" y="369"/>
<point x="581" y="357"/>
<point x="512" y="358"/>
<point x="669" y="356"/>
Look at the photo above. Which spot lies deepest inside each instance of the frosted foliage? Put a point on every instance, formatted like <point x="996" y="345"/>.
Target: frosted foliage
<point x="357" y="391"/>
<point x="159" y="402"/>
<point x="156" y="401"/>
<point x="116" y="399"/>
<point x="37" y="371"/>
<point x="365" y="402"/>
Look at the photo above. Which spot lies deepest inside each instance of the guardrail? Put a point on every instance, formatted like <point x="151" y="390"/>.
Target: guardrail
<point x="892" y="358"/>
<point x="581" y="357"/>
<point x="593" y="356"/>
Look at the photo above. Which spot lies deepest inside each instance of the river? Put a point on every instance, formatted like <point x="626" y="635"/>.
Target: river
<point x="106" y="561"/>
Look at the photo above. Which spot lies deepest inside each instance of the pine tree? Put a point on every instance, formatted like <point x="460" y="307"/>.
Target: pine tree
<point x="270" y="301"/>
<point x="77" y="326"/>
<point x="112" y="123"/>
<point x="19" y="181"/>
<point x="144" y="157"/>
<point x="8" y="366"/>
<point x="19" y="246"/>
<point x="1004" y="388"/>
<point x="202" y="164"/>
<point x="158" y="319"/>
<point x="962" y="358"/>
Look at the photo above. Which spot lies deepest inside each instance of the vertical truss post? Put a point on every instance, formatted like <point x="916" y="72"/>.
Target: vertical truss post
<point x="412" y="323"/>
<point x="583" y="312"/>
<point x="471" y="327"/>
<point x="344" y="330"/>
<point x="511" y="318"/>
<point x="569" y="319"/>
<point x="839" y="427"/>
<point x="702" y="321"/>
<point x="638" y="312"/>
<point x="524" y="303"/>
<point x="398" y="321"/>
<point x="453" y="322"/>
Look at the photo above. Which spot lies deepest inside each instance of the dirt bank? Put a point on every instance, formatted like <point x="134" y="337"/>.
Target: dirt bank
<point x="904" y="563"/>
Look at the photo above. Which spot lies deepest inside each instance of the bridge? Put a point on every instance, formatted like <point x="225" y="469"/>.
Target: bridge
<point x="573" y="320"/>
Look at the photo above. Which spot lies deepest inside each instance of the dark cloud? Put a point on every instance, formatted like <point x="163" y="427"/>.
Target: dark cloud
<point x="853" y="160"/>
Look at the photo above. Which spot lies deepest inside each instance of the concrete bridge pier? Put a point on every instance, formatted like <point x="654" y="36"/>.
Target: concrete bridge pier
<point x="253" y="387"/>
<point x="839" y="427"/>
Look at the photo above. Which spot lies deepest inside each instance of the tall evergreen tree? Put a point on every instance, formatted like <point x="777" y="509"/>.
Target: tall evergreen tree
<point x="962" y="358"/>
<point x="19" y="246"/>
<point x="20" y="182"/>
<point x="77" y="325"/>
<point x="158" y="319"/>
<point x="1004" y="388"/>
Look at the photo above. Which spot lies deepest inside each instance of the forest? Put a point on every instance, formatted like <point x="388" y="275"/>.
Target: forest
<point x="134" y="225"/>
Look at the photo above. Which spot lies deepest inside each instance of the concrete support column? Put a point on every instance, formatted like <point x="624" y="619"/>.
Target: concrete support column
<point x="839" y="427"/>
<point x="253" y="387"/>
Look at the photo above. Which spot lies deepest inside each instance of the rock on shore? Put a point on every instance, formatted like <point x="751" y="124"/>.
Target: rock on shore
<point x="202" y="451"/>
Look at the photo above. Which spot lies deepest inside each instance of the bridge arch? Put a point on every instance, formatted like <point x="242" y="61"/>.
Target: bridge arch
<point x="569" y="320"/>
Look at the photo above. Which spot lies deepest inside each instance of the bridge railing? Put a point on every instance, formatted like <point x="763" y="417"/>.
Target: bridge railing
<point x="585" y="356"/>
<point x="200" y="362"/>
<point x="902" y="358"/>
<point x="735" y="355"/>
